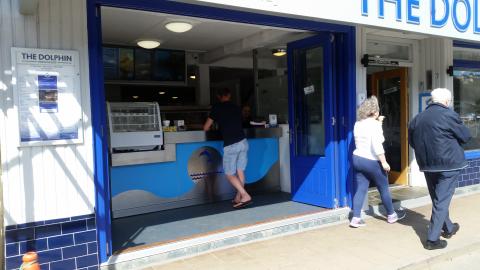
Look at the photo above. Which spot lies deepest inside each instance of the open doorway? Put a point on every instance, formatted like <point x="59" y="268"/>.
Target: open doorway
<point x="389" y="84"/>
<point x="170" y="190"/>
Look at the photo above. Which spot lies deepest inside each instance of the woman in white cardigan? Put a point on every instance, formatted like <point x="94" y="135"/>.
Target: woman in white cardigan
<point x="369" y="161"/>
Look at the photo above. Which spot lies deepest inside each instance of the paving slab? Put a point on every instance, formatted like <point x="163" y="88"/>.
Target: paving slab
<point x="379" y="245"/>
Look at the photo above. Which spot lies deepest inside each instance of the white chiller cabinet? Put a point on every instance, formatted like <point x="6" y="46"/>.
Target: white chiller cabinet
<point x="134" y="126"/>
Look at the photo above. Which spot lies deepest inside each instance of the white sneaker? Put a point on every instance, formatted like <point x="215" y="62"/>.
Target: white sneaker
<point x="396" y="216"/>
<point x="357" y="222"/>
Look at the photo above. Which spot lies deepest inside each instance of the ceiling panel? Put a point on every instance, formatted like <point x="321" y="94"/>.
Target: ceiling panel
<point x="123" y="26"/>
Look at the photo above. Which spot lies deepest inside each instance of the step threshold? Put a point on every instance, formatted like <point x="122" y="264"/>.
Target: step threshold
<point x="161" y="253"/>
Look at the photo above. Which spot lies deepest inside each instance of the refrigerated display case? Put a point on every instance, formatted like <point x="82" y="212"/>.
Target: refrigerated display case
<point x="134" y="126"/>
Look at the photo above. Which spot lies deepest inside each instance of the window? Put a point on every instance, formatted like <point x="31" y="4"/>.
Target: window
<point x="466" y="91"/>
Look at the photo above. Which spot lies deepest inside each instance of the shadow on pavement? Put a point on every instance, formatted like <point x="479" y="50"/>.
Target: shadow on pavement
<point x="417" y="221"/>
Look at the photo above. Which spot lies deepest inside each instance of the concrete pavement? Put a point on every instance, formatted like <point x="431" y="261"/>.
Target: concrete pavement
<point x="379" y="245"/>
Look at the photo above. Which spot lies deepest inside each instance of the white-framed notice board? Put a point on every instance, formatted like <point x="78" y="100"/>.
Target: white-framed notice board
<point x="47" y="96"/>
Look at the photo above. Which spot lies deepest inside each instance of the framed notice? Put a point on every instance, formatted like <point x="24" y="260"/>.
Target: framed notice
<point x="47" y="96"/>
<point x="424" y="99"/>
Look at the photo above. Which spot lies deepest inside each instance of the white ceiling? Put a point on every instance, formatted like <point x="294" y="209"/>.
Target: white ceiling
<point x="214" y="40"/>
<point x="217" y="39"/>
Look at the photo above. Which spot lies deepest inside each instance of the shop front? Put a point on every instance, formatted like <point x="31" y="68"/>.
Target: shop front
<point x="178" y="171"/>
<point x="142" y="180"/>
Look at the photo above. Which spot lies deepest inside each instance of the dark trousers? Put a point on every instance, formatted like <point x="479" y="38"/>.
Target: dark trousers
<point x="441" y="186"/>
<point x="367" y="170"/>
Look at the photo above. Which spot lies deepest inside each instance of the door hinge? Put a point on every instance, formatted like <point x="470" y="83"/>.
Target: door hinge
<point x="332" y="37"/>
<point x="335" y="202"/>
<point x="108" y="248"/>
<point x="334" y="121"/>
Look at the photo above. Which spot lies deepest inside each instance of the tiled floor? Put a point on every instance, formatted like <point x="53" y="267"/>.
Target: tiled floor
<point x="188" y="222"/>
<point x="399" y="193"/>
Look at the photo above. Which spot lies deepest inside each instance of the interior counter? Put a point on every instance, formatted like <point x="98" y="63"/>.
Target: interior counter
<point x="195" y="175"/>
<point x="202" y="136"/>
<point x="171" y="139"/>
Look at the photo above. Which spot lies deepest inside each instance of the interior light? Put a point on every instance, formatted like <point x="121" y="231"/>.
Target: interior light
<point x="148" y="43"/>
<point x="174" y="97"/>
<point x="135" y="97"/>
<point x="279" y="52"/>
<point x="178" y="27"/>
<point x="193" y="77"/>
<point x="161" y="93"/>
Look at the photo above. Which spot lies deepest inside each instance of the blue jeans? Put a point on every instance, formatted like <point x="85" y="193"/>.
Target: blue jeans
<point x="441" y="186"/>
<point x="367" y="170"/>
<point x="235" y="157"/>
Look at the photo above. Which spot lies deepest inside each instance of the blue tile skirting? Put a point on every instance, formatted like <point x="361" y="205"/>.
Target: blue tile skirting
<point x="61" y="244"/>
<point x="471" y="174"/>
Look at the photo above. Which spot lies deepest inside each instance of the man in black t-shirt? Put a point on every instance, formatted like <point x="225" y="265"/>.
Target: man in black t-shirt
<point x="235" y="146"/>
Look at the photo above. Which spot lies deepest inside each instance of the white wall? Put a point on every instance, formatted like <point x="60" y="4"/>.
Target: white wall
<point x="284" y="153"/>
<point x="43" y="183"/>
<point x="361" y="71"/>
<point x="435" y="54"/>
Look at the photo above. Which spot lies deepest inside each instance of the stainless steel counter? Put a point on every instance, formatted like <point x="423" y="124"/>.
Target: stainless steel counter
<point x="202" y="136"/>
<point x="172" y="138"/>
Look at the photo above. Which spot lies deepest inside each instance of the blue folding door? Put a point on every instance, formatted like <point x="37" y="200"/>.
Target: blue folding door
<point x="312" y="120"/>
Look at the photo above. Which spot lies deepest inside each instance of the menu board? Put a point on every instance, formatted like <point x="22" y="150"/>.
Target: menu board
<point x="137" y="64"/>
<point x="125" y="63"/>
<point x="47" y="96"/>
<point x="169" y="66"/>
<point x="143" y="64"/>
<point x="110" y="63"/>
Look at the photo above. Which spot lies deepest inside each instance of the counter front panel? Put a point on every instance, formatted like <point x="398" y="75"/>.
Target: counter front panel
<point x="195" y="177"/>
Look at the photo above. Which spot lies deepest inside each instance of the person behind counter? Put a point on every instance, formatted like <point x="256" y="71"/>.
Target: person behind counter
<point x="235" y="146"/>
<point x="246" y="116"/>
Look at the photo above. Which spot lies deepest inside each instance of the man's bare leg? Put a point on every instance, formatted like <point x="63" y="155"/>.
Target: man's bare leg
<point x="241" y="177"/>
<point x="243" y="196"/>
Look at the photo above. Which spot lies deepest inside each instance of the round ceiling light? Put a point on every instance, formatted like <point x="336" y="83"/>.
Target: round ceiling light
<point x="148" y="43"/>
<point x="178" y="27"/>
<point x="279" y="52"/>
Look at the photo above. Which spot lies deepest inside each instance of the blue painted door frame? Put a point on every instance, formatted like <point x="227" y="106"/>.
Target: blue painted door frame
<point x="346" y="104"/>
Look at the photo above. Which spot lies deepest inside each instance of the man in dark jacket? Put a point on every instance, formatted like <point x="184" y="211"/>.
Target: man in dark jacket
<point x="436" y="135"/>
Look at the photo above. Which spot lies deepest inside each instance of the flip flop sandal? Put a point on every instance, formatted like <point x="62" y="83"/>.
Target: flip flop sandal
<point x="242" y="204"/>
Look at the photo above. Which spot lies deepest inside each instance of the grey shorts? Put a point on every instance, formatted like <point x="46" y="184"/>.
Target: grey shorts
<point x="235" y="157"/>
